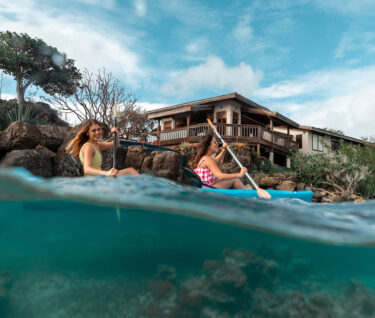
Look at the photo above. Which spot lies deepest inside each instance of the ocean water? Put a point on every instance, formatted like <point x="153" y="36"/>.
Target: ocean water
<point x="140" y="246"/>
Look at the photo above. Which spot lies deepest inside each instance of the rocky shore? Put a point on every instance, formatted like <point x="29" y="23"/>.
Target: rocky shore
<point x="41" y="150"/>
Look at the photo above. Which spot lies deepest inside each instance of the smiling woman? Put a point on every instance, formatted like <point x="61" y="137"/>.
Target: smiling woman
<point x="87" y="146"/>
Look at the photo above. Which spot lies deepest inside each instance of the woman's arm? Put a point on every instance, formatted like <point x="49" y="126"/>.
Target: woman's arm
<point x="109" y="144"/>
<point x="221" y="154"/>
<point x="212" y="165"/>
<point x="88" y="152"/>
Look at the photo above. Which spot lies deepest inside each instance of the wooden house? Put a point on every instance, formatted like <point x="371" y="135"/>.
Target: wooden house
<point x="237" y="119"/>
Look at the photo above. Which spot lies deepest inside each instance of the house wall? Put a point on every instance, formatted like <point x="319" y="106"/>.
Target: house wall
<point x="229" y="106"/>
<point x="307" y="139"/>
<point x="167" y="119"/>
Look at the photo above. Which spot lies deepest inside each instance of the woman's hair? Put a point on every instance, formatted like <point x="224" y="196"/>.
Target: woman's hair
<point x="82" y="137"/>
<point x="202" y="149"/>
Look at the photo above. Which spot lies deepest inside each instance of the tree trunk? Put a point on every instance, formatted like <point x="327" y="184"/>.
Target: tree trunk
<point x="20" y="94"/>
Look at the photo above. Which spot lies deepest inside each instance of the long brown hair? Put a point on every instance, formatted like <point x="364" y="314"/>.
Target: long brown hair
<point x="81" y="138"/>
<point x="202" y="149"/>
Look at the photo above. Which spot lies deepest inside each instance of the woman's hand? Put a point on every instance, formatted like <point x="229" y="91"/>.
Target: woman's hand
<point x="114" y="130"/>
<point x="225" y="145"/>
<point x="111" y="172"/>
<point x="243" y="171"/>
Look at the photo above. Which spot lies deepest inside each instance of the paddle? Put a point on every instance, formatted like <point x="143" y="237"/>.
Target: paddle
<point x="115" y="135"/>
<point x="261" y="193"/>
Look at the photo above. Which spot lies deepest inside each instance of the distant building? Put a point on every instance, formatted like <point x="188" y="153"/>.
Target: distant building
<point x="237" y="118"/>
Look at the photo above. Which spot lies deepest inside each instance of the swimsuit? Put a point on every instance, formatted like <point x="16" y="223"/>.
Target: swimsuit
<point x="96" y="161"/>
<point x="205" y="174"/>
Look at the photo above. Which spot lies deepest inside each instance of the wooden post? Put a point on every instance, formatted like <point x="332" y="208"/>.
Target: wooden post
<point x="271" y="124"/>
<point x="287" y="130"/>
<point x="188" y="125"/>
<point x="158" y="130"/>
<point x="258" y="149"/>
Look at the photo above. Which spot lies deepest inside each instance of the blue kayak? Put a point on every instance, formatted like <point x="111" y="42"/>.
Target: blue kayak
<point x="275" y="194"/>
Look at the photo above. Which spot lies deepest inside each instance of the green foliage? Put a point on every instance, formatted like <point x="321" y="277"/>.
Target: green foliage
<point x="349" y="169"/>
<point x="32" y="61"/>
<point x="262" y="164"/>
<point x="5" y="108"/>
<point x="184" y="146"/>
<point x="336" y="131"/>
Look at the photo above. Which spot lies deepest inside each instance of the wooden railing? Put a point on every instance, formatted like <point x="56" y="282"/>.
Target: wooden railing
<point x="231" y="132"/>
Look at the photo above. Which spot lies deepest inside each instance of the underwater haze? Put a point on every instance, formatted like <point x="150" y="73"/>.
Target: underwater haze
<point x="140" y="246"/>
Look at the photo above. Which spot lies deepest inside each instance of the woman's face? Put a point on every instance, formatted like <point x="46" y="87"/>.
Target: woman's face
<point x="213" y="145"/>
<point x="95" y="132"/>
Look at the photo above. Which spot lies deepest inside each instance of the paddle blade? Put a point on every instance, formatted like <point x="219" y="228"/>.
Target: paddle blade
<point x="263" y="193"/>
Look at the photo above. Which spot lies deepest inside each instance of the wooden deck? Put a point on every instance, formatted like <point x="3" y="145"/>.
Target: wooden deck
<point x="249" y="134"/>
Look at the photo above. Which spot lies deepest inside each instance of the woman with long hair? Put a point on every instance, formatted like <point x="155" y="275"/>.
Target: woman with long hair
<point x="87" y="146"/>
<point x="206" y="167"/>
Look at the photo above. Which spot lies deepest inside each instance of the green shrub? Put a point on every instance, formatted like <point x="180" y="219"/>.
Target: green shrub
<point x="349" y="169"/>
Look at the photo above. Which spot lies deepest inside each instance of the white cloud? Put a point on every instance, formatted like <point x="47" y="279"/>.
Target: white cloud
<point x="151" y="106"/>
<point x="7" y="96"/>
<point x="197" y="46"/>
<point x="212" y="74"/>
<point x="140" y="7"/>
<point x="243" y="31"/>
<point x="108" y="4"/>
<point x="82" y="38"/>
<point x="339" y="99"/>
<point x="348" y="7"/>
<point x="356" y="41"/>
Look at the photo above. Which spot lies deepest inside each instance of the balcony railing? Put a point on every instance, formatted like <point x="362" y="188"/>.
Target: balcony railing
<point x="253" y="134"/>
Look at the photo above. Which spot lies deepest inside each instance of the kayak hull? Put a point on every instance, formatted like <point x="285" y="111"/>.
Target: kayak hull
<point x="275" y="194"/>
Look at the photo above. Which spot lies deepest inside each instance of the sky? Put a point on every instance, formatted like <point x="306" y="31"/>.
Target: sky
<point x="310" y="60"/>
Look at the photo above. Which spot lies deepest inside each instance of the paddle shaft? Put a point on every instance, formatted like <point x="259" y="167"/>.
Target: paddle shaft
<point x="115" y="137"/>
<point x="233" y="155"/>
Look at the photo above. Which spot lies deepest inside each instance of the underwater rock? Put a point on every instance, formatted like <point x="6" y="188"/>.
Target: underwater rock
<point x="37" y="162"/>
<point x="165" y="164"/>
<point x="6" y="282"/>
<point x="360" y="302"/>
<point x="135" y="157"/>
<point x="53" y="136"/>
<point x="19" y="136"/>
<point x="65" y="165"/>
<point x="268" y="182"/>
<point x="166" y="273"/>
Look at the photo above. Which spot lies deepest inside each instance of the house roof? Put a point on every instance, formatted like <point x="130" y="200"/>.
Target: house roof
<point x="330" y="133"/>
<point x="209" y="102"/>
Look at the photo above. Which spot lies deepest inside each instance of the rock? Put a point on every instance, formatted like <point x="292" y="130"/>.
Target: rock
<point x="47" y="115"/>
<point x="268" y="182"/>
<point x="147" y="164"/>
<point x="107" y="158"/>
<point x="65" y="165"/>
<point x="317" y="196"/>
<point x="5" y="288"/>
<point x="37" y="162"/>
<point x="53" y="136"/>
<point x="20" y="135"/>
<point x="166" y="273"/>
<point x="165" y="164"/>
<point x="300" y="186"/>
<point x="135" y="157"/>
<point x="48" y="152"/>
<point x="287" y="185"/>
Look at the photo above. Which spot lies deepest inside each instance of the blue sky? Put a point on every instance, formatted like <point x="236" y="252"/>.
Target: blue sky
<point x="311" y="60"/>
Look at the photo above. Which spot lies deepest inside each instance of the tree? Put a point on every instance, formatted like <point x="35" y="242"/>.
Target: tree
<point x="32" y="61"/>
<point x="95" y="99"/>
<point x="336" y="131"/>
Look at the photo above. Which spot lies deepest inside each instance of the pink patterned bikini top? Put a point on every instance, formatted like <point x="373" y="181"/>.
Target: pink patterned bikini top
<point x="205" y="174"/>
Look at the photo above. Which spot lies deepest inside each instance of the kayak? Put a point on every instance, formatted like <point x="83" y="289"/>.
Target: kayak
<point x="275" y="194"/>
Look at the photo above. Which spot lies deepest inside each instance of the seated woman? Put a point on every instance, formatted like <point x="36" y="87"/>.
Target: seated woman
<point x="208" y="171"/>
<point x="87" y="145"/>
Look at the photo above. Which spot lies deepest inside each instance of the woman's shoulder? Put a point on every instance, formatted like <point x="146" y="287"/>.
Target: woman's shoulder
<point x="87" y="146"/>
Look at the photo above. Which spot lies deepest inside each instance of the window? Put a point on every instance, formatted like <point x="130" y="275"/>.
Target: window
<point x="235" y="118"/>
<point x="335" y="143"/>
<point x="221" y="117"/>
<point x="317" y="142"/>
<point x="168" y="125"/>
<point x="299" y="141"/>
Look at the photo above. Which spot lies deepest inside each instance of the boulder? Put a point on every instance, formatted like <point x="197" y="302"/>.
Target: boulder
<point x="65" y="165"/>
<point x="48" y="152"/>
<point x="5" y="288"/>
<point x="53" y="136"/>
<point x="268" y="182"/>
<point x="20" y="135"/>
<point x="135" y="157"/>
<point x="107" y="158"/>
<point x="165" y="164"/>
<point x="286" y="185"/>
<point x="37" y="162"/>
<point x="47" y="115"/>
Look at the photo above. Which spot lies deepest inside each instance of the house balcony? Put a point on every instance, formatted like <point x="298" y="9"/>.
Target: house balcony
<point x="253" y="135"/>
